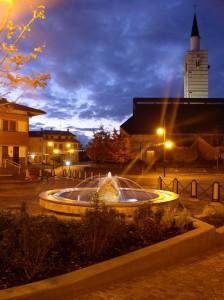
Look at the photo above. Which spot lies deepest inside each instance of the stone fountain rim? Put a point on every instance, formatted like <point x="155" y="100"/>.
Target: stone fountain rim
<point x="47" y="196"/>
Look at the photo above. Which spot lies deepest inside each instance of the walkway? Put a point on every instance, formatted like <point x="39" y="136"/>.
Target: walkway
<point x="198" y="278"/>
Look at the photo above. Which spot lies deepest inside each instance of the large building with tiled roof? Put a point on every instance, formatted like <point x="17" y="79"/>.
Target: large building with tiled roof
<point x="185" y="120"/>
<point x="14" y="131"/>
<point x="53" y="146"/>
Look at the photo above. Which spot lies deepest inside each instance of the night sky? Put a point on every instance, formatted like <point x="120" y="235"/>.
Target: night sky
<point x="102" y="53"/>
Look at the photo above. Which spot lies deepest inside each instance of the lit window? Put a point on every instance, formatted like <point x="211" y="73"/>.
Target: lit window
<point x="56" y="151"/>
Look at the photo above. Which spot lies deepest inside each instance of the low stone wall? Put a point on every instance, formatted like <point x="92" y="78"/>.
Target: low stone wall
<point x="77" y="208"/>
<point x="145" y="260"/>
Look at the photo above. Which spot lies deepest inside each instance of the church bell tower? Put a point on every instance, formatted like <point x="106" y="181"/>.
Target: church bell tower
<point x="196" y="67"/>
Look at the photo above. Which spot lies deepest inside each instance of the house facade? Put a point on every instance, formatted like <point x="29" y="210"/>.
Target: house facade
<point x="53" y="146"/>
<point x="14" y="131"/>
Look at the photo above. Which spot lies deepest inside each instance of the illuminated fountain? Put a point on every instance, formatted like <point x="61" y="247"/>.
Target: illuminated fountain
<point x="116" y="192"/>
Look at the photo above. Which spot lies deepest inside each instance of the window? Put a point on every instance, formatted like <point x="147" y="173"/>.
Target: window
<point x="9" y="125"/>
<point x="60" y="146"/>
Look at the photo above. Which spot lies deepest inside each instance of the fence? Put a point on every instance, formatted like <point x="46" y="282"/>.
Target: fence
<point x="194" y="189"/>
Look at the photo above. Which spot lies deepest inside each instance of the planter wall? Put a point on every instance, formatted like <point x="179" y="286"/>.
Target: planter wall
<point x="148" y="259"/>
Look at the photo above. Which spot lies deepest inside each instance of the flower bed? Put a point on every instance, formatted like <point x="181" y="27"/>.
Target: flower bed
<point x="37" y="247"/>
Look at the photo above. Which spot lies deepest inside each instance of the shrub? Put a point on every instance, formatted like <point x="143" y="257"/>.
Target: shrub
<point x="183" y="221"/>
<point x="101" y="228"/>
<point x="147" y="224"/>
<point x="36" y="247"/>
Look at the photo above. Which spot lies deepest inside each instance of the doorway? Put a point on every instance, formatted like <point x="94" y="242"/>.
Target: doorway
<point x="16" y="154"/>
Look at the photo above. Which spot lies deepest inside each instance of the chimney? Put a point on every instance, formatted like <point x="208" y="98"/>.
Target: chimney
<point x="67" y="129"/>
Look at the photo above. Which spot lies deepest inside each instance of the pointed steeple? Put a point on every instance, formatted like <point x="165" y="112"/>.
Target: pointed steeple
<point x="195" y="31"/>
<point x="195" y="37"/>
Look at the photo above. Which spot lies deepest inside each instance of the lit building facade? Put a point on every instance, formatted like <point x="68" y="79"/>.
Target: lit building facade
<point x="14" y="131"/>
<point x="53" y="146"/>
<point x="196" y="67"/>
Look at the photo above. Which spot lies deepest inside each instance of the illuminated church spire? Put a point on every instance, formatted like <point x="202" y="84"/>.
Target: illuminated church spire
<point x="196" y="67"/>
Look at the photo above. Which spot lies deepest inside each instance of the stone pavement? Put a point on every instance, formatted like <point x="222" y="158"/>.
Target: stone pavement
<point x="198" y="278"/>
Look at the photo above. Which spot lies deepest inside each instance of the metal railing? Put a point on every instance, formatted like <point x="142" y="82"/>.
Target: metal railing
<point x="194" y="189"/>
<point x="13" y="164"/>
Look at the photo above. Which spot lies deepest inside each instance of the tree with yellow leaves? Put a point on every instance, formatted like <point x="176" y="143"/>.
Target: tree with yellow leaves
<point x="13" y="57"/>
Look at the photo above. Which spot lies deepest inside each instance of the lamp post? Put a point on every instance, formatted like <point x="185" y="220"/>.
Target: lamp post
<point x="167" y="144"/>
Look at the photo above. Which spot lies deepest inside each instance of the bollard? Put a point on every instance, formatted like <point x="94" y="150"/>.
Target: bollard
<point x="85" y="175"/>
<point x="194" y="189"/>
<point x="175" y="185"/>
<point x="160" y="183"/>
<point x="52" y="172"/>
<point x="99" y="175"/>
<point x="70" y="173"/>
<point x="40" y="174"/>
<point x="216" y="191"/>
<point x="80" y="174"/>
<point x="74" y="174"/>
<point x="64" y="173"/>
<point x="91" y="175"/>
<point x="27" y="176"/>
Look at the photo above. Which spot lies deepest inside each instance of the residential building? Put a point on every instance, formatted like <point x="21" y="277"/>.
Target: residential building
<point x="196" y="67"/>
<point x="14" y="131"/>
<point x="53" y="146"/>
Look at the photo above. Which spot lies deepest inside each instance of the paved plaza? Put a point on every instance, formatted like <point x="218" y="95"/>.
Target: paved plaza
<point x="14" y="193"/>
<point x="199" y="278"/>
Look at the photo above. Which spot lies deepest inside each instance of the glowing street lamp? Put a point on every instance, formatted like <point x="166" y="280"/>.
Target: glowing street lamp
<point x="67" y="163"/>
<point x="50" y="144"/>
<point x="169" y="145"/>
<point x="160" y="131"/>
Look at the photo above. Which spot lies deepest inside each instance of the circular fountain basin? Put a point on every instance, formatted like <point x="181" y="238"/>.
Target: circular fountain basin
<point x="126" y="197"/>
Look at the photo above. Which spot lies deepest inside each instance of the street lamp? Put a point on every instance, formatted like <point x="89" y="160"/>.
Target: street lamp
<point x="167" y="144"/>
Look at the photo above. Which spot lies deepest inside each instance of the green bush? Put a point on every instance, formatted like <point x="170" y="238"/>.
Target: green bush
<point x="102" y="228"/>
<point x="37" y="247"/>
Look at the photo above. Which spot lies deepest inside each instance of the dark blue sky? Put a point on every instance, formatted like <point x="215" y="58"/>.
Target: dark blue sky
<point x="102" y="53"/>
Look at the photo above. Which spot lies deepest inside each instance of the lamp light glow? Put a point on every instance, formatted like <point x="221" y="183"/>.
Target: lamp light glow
<point x="160" y="131"/>
<point x="50" y="144"/>
<point x="168" y="144"/>
<point x="56" y="151"/>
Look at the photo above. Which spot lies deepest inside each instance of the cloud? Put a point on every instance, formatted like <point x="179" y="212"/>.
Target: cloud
<point x="101" y="54"/>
